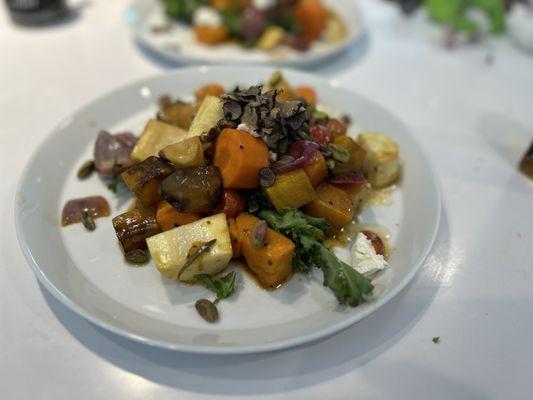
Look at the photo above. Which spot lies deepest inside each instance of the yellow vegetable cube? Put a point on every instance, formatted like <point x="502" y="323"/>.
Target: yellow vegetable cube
<point x="170" y="249"/>
<point x="291" y="189"/>
<point x="207" y="117"/>
<point x="156" y="136"/>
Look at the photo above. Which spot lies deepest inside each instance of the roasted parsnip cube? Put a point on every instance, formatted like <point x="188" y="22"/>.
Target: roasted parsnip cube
<point x="178" y="113"/>
<point x="291" y="189"/>
<point x="382" y="166"/>
<point x="171" y="249"/>
<point x="333" y="204"/>
<point x="134" y="227"/>
<point x="207" y="117"/>
<point x="156" y="136"/>
<point x="143" y="179"/>
<point x="187" y="153"/>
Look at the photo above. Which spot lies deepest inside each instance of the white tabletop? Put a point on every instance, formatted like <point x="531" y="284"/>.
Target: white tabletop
<point x="475" y="291"/>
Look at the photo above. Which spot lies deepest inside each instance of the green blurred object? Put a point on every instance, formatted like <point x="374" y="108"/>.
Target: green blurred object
<point x="183" y="10"/>
<point x="233" y="21"/>
<point x="453" y="14"/>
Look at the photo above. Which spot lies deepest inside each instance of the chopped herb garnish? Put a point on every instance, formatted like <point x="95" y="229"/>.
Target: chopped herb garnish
<point x="223" y="287"/>
<point x="436" y="340"/>
<point x="113" y="185"/>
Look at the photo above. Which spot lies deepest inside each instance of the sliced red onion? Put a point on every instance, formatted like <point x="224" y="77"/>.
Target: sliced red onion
<point x="301" y="153"/>
<point x="96" y="206"/>
<point x="351" y="178"/>
<point x="112" y="152"/>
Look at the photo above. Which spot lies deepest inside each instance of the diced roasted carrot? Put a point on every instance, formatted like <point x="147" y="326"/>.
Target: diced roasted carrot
<point x="240" y="157"/>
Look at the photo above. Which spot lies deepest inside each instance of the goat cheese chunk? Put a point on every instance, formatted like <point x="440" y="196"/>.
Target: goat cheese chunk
<point x="365" y="260"/>
<point x="207" y="16"/>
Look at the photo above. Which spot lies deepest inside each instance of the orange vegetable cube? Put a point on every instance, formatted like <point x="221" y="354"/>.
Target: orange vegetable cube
<point x="240" y="157"/>
<point x="316" y="170"/>
<point x="169" y="218"/>
<point x="272" y="263"/>
<point x="333" y="204"/>
<point x="307" y="93"/>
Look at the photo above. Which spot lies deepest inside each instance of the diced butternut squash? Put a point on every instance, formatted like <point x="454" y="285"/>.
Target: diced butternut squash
<point x="357" y="155"/>
<point x="291" y="189"/>
<point x="333" y="204"/>
<point x="382" y="164"/>
<point x="233" y="233"/>
<point x="307" y="93"/>
<point x="211" y="89"/>
<point x="134" y="227"/>
<point x="170" y="249"/>
<point x="211" y="35"/>
<point x="169" y="218"/>
<point x="272" y="263"/>
<point x="240" y="157"/>
<point x="143" y="179"/>
<point x="207" y="117"/>
<point x="156" y="136"/>
<point x="316" y="170"/>
<point x="187" y="153"/>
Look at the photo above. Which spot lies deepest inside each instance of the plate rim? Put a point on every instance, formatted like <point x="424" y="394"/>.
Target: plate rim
<point x="304" y="60"/>
<point x="206" y="349"/>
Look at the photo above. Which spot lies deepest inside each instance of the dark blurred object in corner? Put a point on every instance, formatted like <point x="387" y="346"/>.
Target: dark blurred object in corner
<point x="36" y="12"/>
<point x="526" y="165"/>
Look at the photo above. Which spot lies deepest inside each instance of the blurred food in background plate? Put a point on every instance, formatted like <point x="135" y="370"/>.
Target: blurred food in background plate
<point x="245" y="31"/>
<point x="470" y="19"/>
<point x="263" y="24"/>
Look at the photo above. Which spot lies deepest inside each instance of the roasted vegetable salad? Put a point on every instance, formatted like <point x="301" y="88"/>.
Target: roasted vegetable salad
<point x="261" y="24"/>
<point x="262" y="174"/>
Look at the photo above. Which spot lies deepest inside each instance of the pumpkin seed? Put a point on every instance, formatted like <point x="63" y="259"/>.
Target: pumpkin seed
<point x="137" y="257"/>
<point x="87" y="220"/>
<point x="86" y="169"/>
<point x="259" y="234"/>
<point x="339" y="154"/>
<point x="207" y="310"/>
<point x="267" y="177"/>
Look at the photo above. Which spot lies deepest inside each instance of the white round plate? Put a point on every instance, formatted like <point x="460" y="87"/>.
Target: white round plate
<point x="178" y="44"/>
<point x="86" y="271"/>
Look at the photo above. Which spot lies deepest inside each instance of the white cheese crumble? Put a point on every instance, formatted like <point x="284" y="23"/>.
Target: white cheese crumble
<point x="207" y="16"/>
<point x="247" y="128"/>
<point x="364" y="257"/>
<point x="263" y="4"/>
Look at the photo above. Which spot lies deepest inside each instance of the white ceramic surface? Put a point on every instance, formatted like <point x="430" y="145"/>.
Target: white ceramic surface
<point x="179" y="45"/>
<point x="87" y="273"/>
